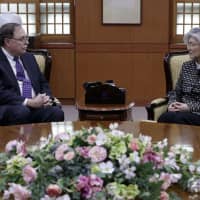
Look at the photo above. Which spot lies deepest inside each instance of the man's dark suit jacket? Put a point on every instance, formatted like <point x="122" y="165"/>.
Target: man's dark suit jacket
<point x="9" y="88"/>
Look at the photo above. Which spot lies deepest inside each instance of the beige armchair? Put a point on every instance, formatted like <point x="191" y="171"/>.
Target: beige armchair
<point x="44" y="61"/>
<point x="172" y="65"/>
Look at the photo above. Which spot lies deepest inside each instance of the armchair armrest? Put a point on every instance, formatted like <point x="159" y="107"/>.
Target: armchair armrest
<point x="156" y="108"/>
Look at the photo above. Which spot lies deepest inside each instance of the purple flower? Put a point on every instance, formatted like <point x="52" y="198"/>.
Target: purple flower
<point x="96" y="183"/>
<point x="82" y="182"/>
<point x="151" y="156"/>
<point x="29" y="174"/>
<point x="83" y="151"/>
<point x="88" y="185"/>
<point x="97" y="154"/>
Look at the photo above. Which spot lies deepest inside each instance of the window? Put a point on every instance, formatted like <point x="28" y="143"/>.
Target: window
<point x="186" y="16"/>
<point x="48" y="18"/>
<point x="55" y="18"/>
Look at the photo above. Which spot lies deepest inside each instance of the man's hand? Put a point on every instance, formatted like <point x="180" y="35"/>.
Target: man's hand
<point x="178" y="106"/>
<point x="39" y="101"/>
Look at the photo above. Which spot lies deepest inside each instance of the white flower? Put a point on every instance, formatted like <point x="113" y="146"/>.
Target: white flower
<point x="183" y="158"/>
<point x="146" y="140"/>
<point x="171" y="162"/>
<point x="117" y="133"/>
<point x="124" y="162"/>
<point x="64" y="197"/>
<point x="130" y="172"/>
<point x="101" y="139"/>
<point x="113" y="126"/>
<point x="135" y="157"/>
<point x="162" y="144"/>
<point x="106" y="167"/>
<point x="194" y="185"/>
<point x="175" y="177"/>
<point x="198" y="169"/>
<point x="99" y="129"/>
<point x="192" y="168"/>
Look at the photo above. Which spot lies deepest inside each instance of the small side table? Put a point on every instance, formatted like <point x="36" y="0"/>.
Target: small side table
<point x="119" y="112"/>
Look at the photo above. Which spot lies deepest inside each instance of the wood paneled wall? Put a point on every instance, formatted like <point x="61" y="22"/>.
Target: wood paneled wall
<point x="131" y="55"/>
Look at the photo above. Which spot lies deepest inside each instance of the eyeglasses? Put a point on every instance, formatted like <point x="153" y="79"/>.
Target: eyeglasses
<point x="22" y="39"/>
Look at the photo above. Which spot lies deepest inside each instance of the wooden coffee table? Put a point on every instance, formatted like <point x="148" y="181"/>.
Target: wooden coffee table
<point x="187" y="136"/>
<point x="120" y="112"/>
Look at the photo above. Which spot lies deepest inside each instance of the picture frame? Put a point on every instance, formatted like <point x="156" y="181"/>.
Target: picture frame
<point x="121" y="11"/>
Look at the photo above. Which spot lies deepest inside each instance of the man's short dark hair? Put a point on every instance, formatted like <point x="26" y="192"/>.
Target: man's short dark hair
<point x="7" y="31"/>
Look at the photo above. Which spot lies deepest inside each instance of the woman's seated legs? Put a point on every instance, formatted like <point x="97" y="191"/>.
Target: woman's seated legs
<point x="180" y="118"/>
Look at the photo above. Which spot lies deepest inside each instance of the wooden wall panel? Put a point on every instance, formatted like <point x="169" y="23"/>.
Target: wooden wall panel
<point x="132" y="55"/>
<point x="139" y="79"/>
<point x="62" y="80"/>
<point x="153" y="29"/>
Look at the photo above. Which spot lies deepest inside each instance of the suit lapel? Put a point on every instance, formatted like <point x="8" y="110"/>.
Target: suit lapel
<point x="5" y="65"/>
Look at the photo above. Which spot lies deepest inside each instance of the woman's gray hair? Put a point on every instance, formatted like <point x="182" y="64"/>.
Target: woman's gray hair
<point x="194" y="33"/>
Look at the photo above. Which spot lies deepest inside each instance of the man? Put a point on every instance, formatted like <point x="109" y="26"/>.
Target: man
<point x="25" y="96"/>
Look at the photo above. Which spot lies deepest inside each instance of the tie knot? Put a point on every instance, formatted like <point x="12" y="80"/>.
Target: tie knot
<point x="16" y="58"/>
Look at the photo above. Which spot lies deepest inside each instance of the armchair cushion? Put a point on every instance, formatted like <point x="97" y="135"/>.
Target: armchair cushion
<point x="173" y="66"/>
<point x="44" y="61"/>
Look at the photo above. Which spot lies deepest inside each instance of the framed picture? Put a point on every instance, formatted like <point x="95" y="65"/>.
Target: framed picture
<point x="121" y="11"/>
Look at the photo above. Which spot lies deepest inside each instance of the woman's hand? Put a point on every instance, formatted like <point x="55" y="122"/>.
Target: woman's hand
<point x="178" y="106"/>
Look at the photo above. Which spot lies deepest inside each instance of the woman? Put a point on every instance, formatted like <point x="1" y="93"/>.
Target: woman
<point x="184" y="101"/>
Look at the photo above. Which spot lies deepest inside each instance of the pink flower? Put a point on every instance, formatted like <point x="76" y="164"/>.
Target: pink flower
<point x="91" y="139"/>
<point x="164" y="196"/>
<point x="82" y="181"/>
<point x="62" y="136"/>
<point x="29" y="174"/>
<point x="83" y="151"/>
<point x="10" y="146"/>
<point x="166" y="178"/>
<point x="134" y="145"/>
<point x="19" y="192"/>
<point x="60" y="151"/>
<point x="21" y="148"/>
<point x="154" y="157"/>
<point x="97" y="154"/>
<point x="69" y="155"/>
<point x="53" y="190"/>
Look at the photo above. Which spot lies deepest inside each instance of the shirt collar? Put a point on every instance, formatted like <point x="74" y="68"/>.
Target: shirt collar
<point x="8" y="55"/>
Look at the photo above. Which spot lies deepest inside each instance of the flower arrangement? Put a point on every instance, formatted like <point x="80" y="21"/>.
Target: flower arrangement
<point x="96" y="164"/>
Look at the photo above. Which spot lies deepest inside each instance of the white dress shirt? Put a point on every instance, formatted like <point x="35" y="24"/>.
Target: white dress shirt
<point x="13" y="64"/>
